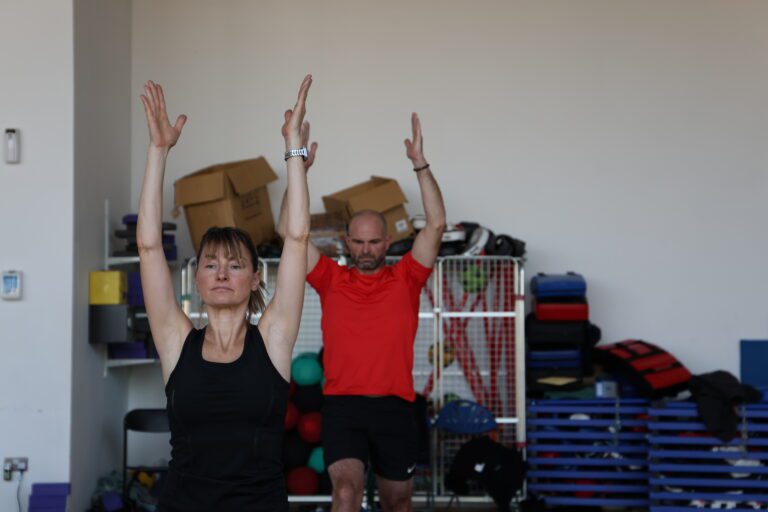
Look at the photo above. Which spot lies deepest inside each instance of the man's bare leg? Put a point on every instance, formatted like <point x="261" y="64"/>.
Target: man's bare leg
<point x="347" y="478"/>
<point x="395" y="496"/>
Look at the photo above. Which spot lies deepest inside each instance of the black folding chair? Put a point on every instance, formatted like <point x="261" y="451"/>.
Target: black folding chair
<point x="147" y="421"/>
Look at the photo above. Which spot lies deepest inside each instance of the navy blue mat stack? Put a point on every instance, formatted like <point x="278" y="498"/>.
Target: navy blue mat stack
<point x="559" y="336"/>
<point x="128" y="233"/>
<point x="692" y="470"/>
<point x="588" y="452"/>
<point x="49" y="497"/>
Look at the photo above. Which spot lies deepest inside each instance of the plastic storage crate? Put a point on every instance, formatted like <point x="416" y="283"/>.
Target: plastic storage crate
<point x="589" y="452"/>
<point x="692" y="470"/>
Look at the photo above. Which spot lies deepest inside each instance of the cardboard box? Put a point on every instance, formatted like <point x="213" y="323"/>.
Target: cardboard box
<point x="231" y="194"/>
<point x="107" y="287"/>
<point x="327" y="231"/>
<point x="380" y="194"/>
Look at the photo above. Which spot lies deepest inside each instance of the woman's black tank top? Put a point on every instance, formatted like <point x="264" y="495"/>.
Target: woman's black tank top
<point x="226" y="431"/>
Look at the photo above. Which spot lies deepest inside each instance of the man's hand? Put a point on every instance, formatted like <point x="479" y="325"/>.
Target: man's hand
<point x="414" y="149"/>
<point x="427" y="243"/>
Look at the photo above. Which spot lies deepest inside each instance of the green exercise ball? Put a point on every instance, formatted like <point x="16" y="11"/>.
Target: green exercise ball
<point x="306" y="369"/>
<point x="474" y="279"/>
<point x="316" y="461"/>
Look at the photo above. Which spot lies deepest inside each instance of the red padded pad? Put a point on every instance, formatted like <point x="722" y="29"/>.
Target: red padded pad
<point x="640" y="348"/>
<point x="668" y="378"/>
<point x="618" y="352"/>
<point x="656" y="362"/>
<point x="562" y="311"/>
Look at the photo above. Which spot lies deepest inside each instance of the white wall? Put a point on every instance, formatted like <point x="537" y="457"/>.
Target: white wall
<point x="624" y="140"/>
<point x="103" y="99"/>
<point x="36" y="237"/>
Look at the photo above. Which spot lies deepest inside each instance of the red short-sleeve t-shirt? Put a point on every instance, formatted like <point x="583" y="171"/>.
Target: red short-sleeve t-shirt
<point x="369" y="323"/>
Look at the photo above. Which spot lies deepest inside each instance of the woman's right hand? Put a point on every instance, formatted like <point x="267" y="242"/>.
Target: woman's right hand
<point x="161" y="134"/>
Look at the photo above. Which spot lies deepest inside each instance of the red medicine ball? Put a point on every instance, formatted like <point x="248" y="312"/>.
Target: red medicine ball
<point x="291" y="416"/>
<point x="310" y="427"/>
<point x="302" y="481"/>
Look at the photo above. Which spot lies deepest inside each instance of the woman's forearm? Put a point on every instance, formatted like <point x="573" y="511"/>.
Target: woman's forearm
<point x="149" y="232"/>
<point x="296" y="205"/>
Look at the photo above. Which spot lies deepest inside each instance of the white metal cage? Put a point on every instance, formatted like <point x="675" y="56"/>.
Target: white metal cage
<point x="469" y="345"/>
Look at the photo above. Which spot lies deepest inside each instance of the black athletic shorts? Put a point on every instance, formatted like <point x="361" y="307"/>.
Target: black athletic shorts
<point x="379" y="429"/>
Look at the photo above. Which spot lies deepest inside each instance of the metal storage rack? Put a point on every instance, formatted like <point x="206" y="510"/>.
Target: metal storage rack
<point x="469" y="317"/>
<point x="111" y="262"/>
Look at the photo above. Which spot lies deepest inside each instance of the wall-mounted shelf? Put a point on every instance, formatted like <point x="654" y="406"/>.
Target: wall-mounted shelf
<point x="109" y="262"/>
<point x="124" y="260"/>
<point x="115" y="363"/>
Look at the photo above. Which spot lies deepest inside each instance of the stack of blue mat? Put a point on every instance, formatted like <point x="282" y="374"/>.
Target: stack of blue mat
<point x="49" y="497"/>
<point x="588" y="452"/>
<point x="559" y="336"/>
<point x="692" y="470"/>
<point x="128" y="233"/>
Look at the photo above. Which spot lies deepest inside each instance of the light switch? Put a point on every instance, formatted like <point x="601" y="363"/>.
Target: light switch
<point x="12" y="145"/>
<point x="11" y="285"/>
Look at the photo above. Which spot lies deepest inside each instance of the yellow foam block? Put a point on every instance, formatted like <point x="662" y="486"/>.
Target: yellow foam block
<point x="107" y="287"/>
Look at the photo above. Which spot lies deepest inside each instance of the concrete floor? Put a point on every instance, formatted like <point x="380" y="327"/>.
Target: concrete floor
<point x="417" y="507"/>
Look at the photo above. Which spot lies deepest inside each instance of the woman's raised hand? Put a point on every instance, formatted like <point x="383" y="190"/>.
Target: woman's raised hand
<point x="161" y="133"/>
<point x="292" y="127"/>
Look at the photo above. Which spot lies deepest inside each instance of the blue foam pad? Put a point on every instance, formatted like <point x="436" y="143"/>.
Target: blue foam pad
<point x="48" y="489"/>
<point x="111" y="501"/>
<point x="559" y="285"/>
<point x="754" y="361"/>
<point x="549" y="355"/>
<point x="48" y="501"/>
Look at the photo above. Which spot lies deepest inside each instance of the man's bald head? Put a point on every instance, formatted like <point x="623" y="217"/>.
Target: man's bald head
<point x="367" y="219"/>
<point x="367" y="241"/>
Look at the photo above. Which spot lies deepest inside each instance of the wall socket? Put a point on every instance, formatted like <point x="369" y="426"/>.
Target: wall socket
<point x="11" y="464"/>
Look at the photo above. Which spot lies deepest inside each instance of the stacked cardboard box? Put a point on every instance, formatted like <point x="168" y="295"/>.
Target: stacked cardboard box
<point x="230" y="194"/>
<point x="379" y="194"/>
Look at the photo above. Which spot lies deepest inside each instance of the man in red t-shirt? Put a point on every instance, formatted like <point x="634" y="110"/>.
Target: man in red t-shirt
<point x="370" y="317"/>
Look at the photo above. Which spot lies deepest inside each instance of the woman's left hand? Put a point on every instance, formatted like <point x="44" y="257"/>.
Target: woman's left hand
<point x="292" y="127"/>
